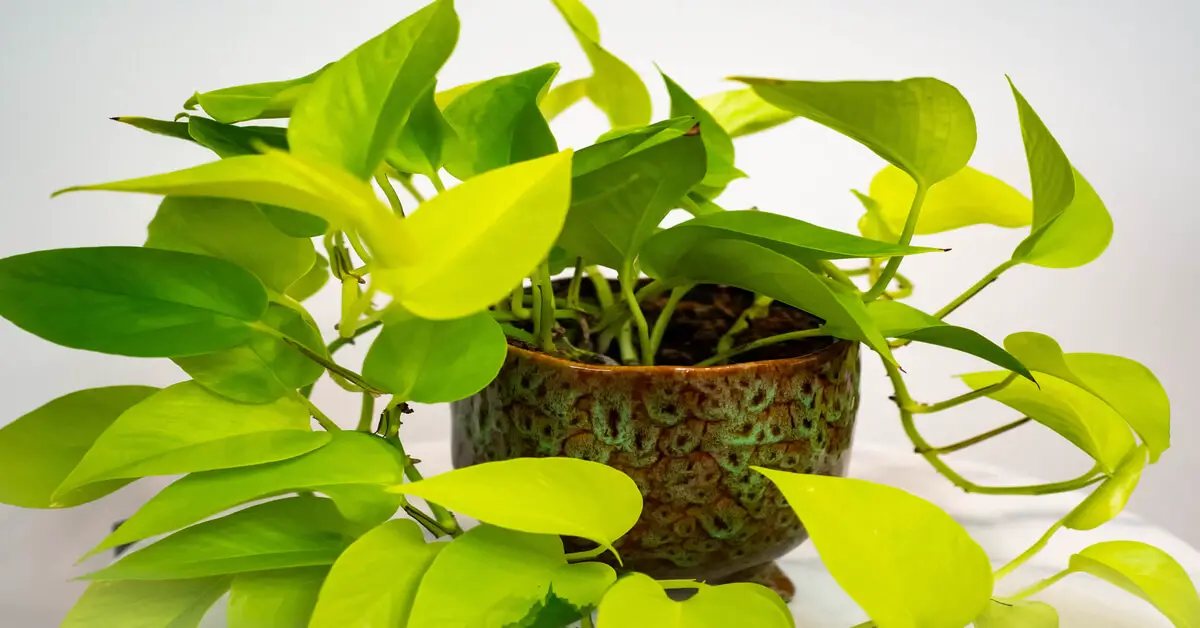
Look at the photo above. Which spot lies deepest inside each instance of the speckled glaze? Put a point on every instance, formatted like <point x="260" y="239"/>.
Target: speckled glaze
<point x="687" y="437"/>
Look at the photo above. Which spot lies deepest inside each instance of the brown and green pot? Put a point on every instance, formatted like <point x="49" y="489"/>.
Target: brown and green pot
<point x="688" y="437"/>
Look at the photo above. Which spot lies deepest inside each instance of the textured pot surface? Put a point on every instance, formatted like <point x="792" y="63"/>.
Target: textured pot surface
<point x="687" y="437"/>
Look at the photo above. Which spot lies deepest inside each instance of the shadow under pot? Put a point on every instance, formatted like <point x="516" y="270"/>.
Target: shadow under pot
<point x="687" y="436"/>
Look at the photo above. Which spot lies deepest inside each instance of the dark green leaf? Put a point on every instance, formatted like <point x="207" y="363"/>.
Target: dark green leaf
<point x="897" y="320"/>
<point x="354" y="112"/>
<point x="921" y="125"/>
<point x="297" y="224"/>
<point x="41" y="448"/>
<point x="235" y="231"/>
<point x="184" y="428"/>
<point x="178" y="130"/>
<point x="718" y="145"/>
<point x="614" y="209"/>
<point x="227" y="140"/>
<point x="312" y="281"/>
<point x="275" y="599"/>
<point x="264" y="368"/>
<point x="146" y="604"/>
<point x="352" y="469"/>
<point x="427" y="361"/>
<point x="254" y="101"/>
<point x="615" y="145"/>
<point x="614" y="87"/>
<point x="292" y="532"/>
<point x="131" y="301"/>
<point x="497" y="123"/>
<point x="422" y="141"/>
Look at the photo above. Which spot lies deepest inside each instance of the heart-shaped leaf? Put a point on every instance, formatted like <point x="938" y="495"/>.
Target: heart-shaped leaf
<point x="1018" y="615"/>
<point x="184" y="429"/>
<point x="921" y="125"/>
<point x="615" y="208"/>
<point x="905" y="561"/>
<point x="292" y="532"/>
<point x="352" y="469"/>
<point x="562" y="97"/>
<point x="41" y="448"/>
<point x="281" y="598"/>
<point x="231" y="230"/>
<point x="718" y="145"/>
<point x="1110" y="498"/>
<point x="1125" y="385"/>
<point x="1071" y="226"/>
<point x="420" y="147"/>
<point x="760" y="270"/>
<point x="355" y="595"/>
<point x="436" y="361"/>
<point x="637" y="601"/>
<point x="1146" y="572"/>
<point x="573" y="497"/>
<point x="264" y="368"/>
<point x="131" y="301"/>
<point x="898" y="320"/>
<point x="498" y="123"/>
<point x="146" y="604"/>
<point x="614" y="87"/>
<point x="742" y="112"/>
<point x="968" y="197"/>
<point x="1074" y="413"/>
<point x="227" y="140"/>
<point x="478" y="239"/>
<point x="254" y="101"/>
<point x="354" y="112"/>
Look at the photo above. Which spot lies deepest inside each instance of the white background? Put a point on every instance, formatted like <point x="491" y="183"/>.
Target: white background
<point x="1115" y="81"/>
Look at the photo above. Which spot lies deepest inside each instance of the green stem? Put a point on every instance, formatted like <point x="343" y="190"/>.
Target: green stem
<point x="837" y="274"/>
<point x="625" y="342"/>
<point x="321" y="417"/>
<point x="517" y="304"/>
<point x="904" y="288"/>
<point x="1040" y="586"/>
<point x="506" y="317"/>
<point x="536" y="309"/>
<point x="359" y="248"/>
<point x="390" y="193"/>
<point x="975" y="440"/>
<point x="586" y="621"/>
<point x="664" y="319"/>
<point x="436" y="180"/>
<point x="366" y="414"/>
<point x="987" y="280"/>
<point x="1029" y="553"/>
<point x="760" y="308"/>
<point x="617" y="313"/>
<point x="763" y="342"/>
<point x="407" y="184"/>
<point x="575" y="285"/>
<point x="893" y="265"/>
<point x="444" y="518"/>
<point x="604" y="292"/>
<point x="587" y="554"/>
<point x="341" y="342"/>
<point x="627" y="279"/>
<point x="922" y="408"/>
<point x="330" y="365"/>
<point x="546" y="339"/>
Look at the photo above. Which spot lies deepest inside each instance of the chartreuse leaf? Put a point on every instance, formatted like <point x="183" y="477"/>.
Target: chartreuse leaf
<point x="40" y="449"/>
<point x="1071" y="226"/>
<point x="801" y="241"/>
<point x="1018" y="615"/>
<point x="264" y="368"/>
<point x="1125" y="385"/>
<point x="574" y="497"/>
<point x="562" y="97"/>
<point x="312" y="281"/>
<point x="167" y="128"/>
<point x="254" y="101"/>
<point x="352" y="469"/>
<point x="1110" y="498"/>
<point x="614" y="87"/>
<point x="718" y="145"/>
<point x="292" y="532"/>
<point x="760" y="270"/>
<point x="637" y="601"/>
<point x="421" y="146"/>
<point x="282" y="598"/>
<point x="497" y="123"/>
<point x="131" y="301"/>
<point x="742" y="112"/>
<point x="1074" y="413"/>
<point x="185" y="428"/>
<point x="872" y="224"/>
<point x="354" y="594"/>
<point x="1146" y="572"/>
<point x="903" y="559"/>
<point x="427" y="361"/>
<point x="278" y="178"/>
<point x="146" y="604"/>
<point x="617" y="144"/>
<point x="921" y="125"/>
<point x="231" y="230"/>
<point x="492" y="576"/>
<point x="968" y="197"/>
<point x="898" y="320"/>
<point x="355" y="110"/>
<point x="615" y="208"/>
<point x="478" y="239"/>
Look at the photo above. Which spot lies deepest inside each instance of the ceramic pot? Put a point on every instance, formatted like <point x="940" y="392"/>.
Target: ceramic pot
<point x="688" y="437"/>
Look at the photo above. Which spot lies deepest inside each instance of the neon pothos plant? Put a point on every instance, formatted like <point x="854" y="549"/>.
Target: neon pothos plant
<point x="230" y="257"/>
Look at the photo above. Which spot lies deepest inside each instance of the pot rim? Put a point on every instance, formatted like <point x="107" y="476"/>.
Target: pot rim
<point x="838" y="344"/>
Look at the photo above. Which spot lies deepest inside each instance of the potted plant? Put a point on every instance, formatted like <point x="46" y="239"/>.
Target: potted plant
<point x="618" y="434"/>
